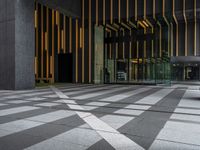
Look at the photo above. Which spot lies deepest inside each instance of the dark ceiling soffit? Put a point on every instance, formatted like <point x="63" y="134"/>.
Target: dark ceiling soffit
<point x="185" y="59"/>
<point x="61" y="7"/>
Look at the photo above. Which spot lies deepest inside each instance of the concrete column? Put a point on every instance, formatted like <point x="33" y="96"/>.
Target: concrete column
<point x="17" y="44"/>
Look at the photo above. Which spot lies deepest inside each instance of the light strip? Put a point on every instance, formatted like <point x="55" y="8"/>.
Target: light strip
<point x="127" y="10"/>
<point x="145" y="30"/>
<point x="172" y="40"/>
<point x="36" y="15"/>
<point x="141" y="24"/>
<point x="132" y="24"/>
<point x="81" y="36"/>
<point x="136" y="10"/>
<point x="154" y="9"/>
<point x="160" y="39"/>
<point x="116" y="47"/>
<point x="119" y="11"/>
<point x="47" y="43"/>
<point x="130" y="47"/>
<point x="145" y="7"/>
<point x="83" y="40"/>
<point x="126" y="26"/>
<point x="53" y="50"/>
<point x="104" y="12"/>
<point x="195" y="28"/>
<point x="168" y="25"/>
<point x="97" y="12"/>
<point x="111" y="27"/>
<point x="137" y="49"/>
<point x="70" y="35"/>
<point x="58" y="25"/>
<point x="144" y="22"/>
<point x="76" y="50"/>
<point x="186" y="26"/>
<point x="90" y="39"/>
<point x="36" y="42"/>
<point x="42" y="43"/>
<point x="111" y="11"/>
<point x="177" y="29"/>
<point x="123" y="45"/>
<point x="64" y="34"/>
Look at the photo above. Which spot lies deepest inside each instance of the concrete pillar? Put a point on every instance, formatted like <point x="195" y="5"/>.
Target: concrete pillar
<point x="17" y="44"/>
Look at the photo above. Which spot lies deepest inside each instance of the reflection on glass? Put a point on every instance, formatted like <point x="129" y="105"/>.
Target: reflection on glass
<point x="142" y="60"/>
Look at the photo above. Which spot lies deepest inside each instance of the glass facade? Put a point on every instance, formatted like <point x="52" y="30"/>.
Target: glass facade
<point x="139" y="58"/>
<point x="185" y="71"/>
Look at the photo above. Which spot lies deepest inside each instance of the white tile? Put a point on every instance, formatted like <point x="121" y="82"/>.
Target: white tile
<point x="97" y="103"/>
<point x="129" y="112"/>
<point x="91" y="95"/>
<point x="17" y="126"/>
<point x="190" y="99"/>
<point x="189" y="103"/>
<point x="122" y="96"/>
<point x="24" y="124"/>
<point x="56" y="145"/>
<point x="116" y="121"/>
<point x="182" y="126"/>
<point x="114" y="98"/>
<point x="2" y="104"/>
<point x="17" y="102"/>
<point x="50" y="117"/>
<point x="47" y="104"/>
<point x="167" y="145"/>
<point x="65" y="101"/>
<point x="186" y="117"/>
<point x="140" y="107"/>
<point x="112" y="136"/>
<point x="78" y="136"/>
<point x="187" y="111"/>
<point x="13" y="97"/>
<point x="51" y="96"/>
<point x="10" y="111"/>
<point x="85" y="96"/>
<point x="89" y="107"/>
<point x="155" y="97"/>
<point x="37" y="93"/>
<point x="181" y="132"/>
<point x="36" y="99"/>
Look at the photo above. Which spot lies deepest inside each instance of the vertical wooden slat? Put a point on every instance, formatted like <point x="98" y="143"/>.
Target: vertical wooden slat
<point x="36" y="41"/>
<point x="58" y="25"/>
<point x="97" y="12"/>
<point x="47" y="44"/>
<point x="119" y="11"/>
<point x="70" y="34"/>
<point x="64" y="38"/>
<point x="195" y="28"/>
<point x="90" y="39"/>
<point x="42" y="43"/>
<point x="83" y="40"/>
<point x="186" y="26"/>
<point x="77" y="50"/>
<point x="53" y="47"/>
<point x="111" y="11"/>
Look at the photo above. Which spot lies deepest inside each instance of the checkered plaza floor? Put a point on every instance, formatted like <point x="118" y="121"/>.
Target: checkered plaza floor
<point x="101" y="117"/>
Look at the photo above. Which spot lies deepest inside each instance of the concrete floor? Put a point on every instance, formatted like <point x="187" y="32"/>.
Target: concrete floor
<point x="101" y="117"/>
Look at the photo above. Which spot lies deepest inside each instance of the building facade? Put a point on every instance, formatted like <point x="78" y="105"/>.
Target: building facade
<point x="105" y="41"/>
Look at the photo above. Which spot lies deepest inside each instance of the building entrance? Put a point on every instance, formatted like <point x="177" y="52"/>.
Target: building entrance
<point x="65" y="68"/>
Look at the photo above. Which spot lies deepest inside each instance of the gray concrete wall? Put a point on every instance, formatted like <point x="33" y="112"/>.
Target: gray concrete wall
<point x="24" y="44"/>
<point x="7" y="44"/>
<point x="16" y="44"/>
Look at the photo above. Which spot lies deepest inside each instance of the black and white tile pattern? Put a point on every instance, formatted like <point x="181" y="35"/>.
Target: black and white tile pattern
<point x="101" y="117"/>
